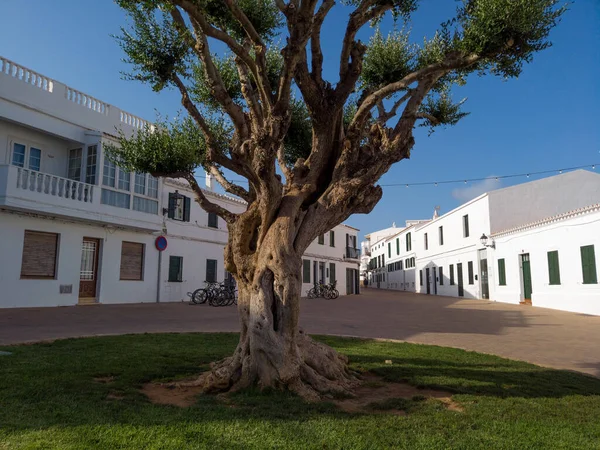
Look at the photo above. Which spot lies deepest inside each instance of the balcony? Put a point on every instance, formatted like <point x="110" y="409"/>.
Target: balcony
<point x="47" y="194"/>
<point x="352" y="253"/>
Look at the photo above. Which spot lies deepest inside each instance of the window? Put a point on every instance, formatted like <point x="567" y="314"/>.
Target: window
<point x="176" y="269"/>
<point x="26" y="156"/>
<point x="466" y="226"/>
<point x="408" y="243"/>
<point x="501" y="272"/>
<point x="305" y="271"/>
<point x="40" y="252"/>
<point x="132" y="261"/>
<point x="451" y="274"/>
<point x="114" y="198"/>
<point x="441" y="235"/>
<point x="389" y="249"/>
<point x="179" y="207"/>
<point x="588" y="265"/>
<point x="332" y="278"/>
<point x="426" y="242"/>
<point x="18" y="156"/>
<point x="400" y="265"/>
<point x="140" y="183"/>
<point x="74" y="169"/>
<point x="382" y="260"/>
<point x="397" y="246"/>
<point x="211" y="270"/>
<point x="421" y="277"/>
<point x="145" y="205"/>
<point x="213" y="220"/>
<point x="470" y="269"/>
<point x="332" y="238"/>
<point x="441" y="275"/>
<point x="124" y="180"/>
<point x="108" y="173"/>
<point x="553" y="268"/>
<point x="90" y="165"/>
<point x="322" y="239"/>
<point x="152" y="186"/>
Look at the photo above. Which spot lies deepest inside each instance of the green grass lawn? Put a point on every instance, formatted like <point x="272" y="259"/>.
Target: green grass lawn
<point x="49" y="399"/>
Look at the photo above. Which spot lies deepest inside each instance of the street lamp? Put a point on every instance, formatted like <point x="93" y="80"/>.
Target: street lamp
<point x="484" y="241"/>
<point x="176" y="196"/>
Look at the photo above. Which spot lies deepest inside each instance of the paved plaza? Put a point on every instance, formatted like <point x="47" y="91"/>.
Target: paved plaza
<point x="541" y="336"/>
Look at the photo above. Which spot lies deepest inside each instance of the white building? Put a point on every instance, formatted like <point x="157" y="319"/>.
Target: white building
<point x="78" y="229"/>
<point x="542" y="247"/>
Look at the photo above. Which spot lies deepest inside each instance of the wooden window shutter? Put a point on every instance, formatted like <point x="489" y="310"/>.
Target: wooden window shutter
<point x="132" y="261"/>
<point x="588" y="265"/>
<point x="171" y="211"/>
<point x="305" y="271"/>
<point x="397" y="246"/>
<point x="451" y="274"/>
<point x="212" y="220"/>
<point x="332" y="273"/>
<point x="332" y="238"/>
<point x="39" y="255"/>
<point x="553" y="268"/>
<point x="441" y="275"/>
<point x="175" y="268"/>
<point x="470" y="267"/>
<point x="211" y="270"/>
<point x="501" y="272"/>
<point x="186" y="209"/>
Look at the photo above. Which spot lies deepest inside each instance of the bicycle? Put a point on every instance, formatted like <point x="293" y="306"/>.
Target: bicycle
<point x="202" y="295"/>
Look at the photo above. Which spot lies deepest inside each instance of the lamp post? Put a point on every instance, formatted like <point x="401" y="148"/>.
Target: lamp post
<point x="484" y="241"/>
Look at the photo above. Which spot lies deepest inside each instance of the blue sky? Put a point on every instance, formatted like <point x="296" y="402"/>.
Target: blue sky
<point x="548" y="118"/>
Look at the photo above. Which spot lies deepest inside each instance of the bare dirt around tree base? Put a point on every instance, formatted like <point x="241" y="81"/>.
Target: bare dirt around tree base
<point x="373" y="396"/>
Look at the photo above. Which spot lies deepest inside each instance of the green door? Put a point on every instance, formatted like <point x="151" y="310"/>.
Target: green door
<point x="526" y="277"/>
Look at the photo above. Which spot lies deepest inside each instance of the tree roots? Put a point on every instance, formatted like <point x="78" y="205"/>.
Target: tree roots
<point x="313" y="371"/>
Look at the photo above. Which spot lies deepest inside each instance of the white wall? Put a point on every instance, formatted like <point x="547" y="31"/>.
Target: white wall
<point x="566" y="237"/>
<point x="456" y="249"/>
<point x="16" y="292"/>
<point x="54" y="150"/>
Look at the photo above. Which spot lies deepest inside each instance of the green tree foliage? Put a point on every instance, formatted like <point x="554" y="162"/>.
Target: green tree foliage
<point x="504" y="34"/>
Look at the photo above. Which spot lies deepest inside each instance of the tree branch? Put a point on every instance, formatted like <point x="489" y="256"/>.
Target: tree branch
<point x="206" y="204"/>
<point x="315" y="41"/>
<point x="230" y="187"/>
<point x="451" y="62"/>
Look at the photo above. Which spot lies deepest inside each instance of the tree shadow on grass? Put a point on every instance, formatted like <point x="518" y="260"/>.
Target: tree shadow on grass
<point x="51" y="385"/>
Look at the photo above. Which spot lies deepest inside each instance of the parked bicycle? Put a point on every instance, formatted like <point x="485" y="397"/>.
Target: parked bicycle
<point x="321" y="290"/>
<point x="215" y="293"/>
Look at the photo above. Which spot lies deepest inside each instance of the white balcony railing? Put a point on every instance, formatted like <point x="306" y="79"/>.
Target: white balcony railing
<point x="53" y="185"/>
<point x="26" y="75"/>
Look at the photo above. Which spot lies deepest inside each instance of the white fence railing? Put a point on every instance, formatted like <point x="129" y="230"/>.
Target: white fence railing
<point x="113" y="115"/>
<point x="53" y="185"/>
<point x="26" y="75"/>
<point x="86" y="101"/>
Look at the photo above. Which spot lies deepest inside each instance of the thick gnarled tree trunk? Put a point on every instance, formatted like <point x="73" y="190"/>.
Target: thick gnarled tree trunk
<point x="273" y="352"/>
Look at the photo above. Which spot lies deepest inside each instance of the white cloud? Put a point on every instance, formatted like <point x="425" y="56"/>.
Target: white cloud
<point x="476" y="189"/>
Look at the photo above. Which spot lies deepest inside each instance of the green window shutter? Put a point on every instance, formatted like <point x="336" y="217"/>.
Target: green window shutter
<point x="389" y="249"/>
<point x="441" y="275"/>
<point x="451" y="274"/>
<point x="187" y="206"/>
<point x="171" y="210"/>
<point x="501" y="272"/>
<point x="588" y="265"/>
<point x="321" y="239"/>
<point x="175" y="268"/>
<point x="421" y="277"/>
<point x="397" y="246"/>
<point x="213" y="221"/>
<point x="305" y="271"/>
<point x="332" y="238"/>
<point x="332" y="278"/>
<point x="553" y="268"/>
<point x="211" y="270"/>
<point x="470" y="268"/>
